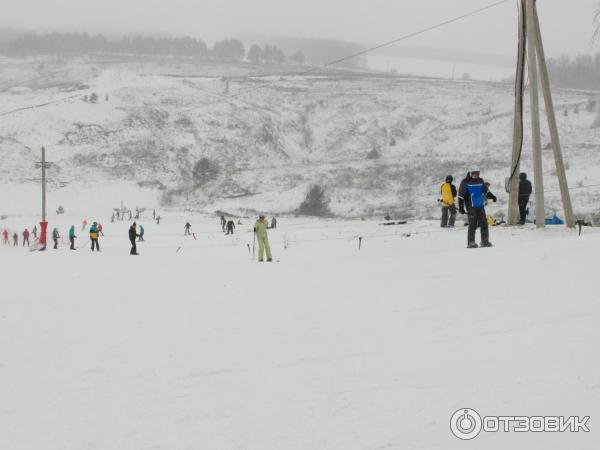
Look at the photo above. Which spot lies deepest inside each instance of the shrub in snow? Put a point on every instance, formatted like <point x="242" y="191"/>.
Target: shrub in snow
<point x="316" y="202"/>
<point x="204" y="171"/>
<point x="374" y="154"/>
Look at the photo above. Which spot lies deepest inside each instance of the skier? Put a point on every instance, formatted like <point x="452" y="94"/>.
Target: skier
<point x="141" y="235"/>
<point x="230" y="227"/>
<point x="5" y="237"/>
<point x="187" y="229"/>
<point x="112" y="218"/>
<point x="525" y="190"/>
<point x="94" y="236"/>
<point x="34" y="231"/>
<point x="25" y="237"/>
<point x="448" y="194"/>
<point x="84" y="224"/>
<point x="472" y="194"/>
<point x="157" y="220"/>
<point x="15" y="240"/>
<point x="100" y="229"/>
<point x="223" y="222"/>
<point x="273" y="222"/>
<point x="132" y="235"/>
<point x="137" y="214"/>
<point x="129" y="214"/>
<point x="118" y="215"/>
<point x="260" y="229"/>
<point x="154" y="214"/>
<point x="55" y="237"/>
<point x="72" y="237"/>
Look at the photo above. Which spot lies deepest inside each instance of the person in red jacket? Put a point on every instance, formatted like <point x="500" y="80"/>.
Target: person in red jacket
<point x="25" y="237"/>
<point x="5" y="237"/>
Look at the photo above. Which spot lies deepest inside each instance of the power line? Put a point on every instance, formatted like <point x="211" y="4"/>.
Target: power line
<point x="368" y="50"/>
<point x="407" y="36"/>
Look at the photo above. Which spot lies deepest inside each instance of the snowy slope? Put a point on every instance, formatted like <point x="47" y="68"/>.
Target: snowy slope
<point x="330" y="348"/>
<point x="271" y="136"/>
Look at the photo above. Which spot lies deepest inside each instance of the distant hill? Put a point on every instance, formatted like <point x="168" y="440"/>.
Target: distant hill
<point x="378" y="144"/>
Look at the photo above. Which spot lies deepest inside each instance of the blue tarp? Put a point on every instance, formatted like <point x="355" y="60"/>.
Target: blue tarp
<point x="554" y="220"/>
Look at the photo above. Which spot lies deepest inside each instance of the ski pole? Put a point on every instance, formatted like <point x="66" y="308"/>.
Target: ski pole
<point x="253" y="245"/>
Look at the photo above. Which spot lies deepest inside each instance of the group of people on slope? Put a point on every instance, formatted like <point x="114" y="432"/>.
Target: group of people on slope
<point x="473" y="194"/>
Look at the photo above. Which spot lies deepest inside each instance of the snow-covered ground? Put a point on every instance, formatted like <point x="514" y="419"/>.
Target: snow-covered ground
<point x="330" y="347"/>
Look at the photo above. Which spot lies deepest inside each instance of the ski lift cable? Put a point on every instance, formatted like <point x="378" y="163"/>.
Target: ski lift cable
<point x="407" y="36"/>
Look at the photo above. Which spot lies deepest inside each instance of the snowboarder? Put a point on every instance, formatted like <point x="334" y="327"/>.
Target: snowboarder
<point x="84" y="224"/>
<point x="55" y="236"/>
<point x="187" y="229"/>
<point x="34" y="231"/>
<point x="72" y="237"/>
<point x="141" y="235"/>
<point x="132" y="235"/>
<point x="157" y="220"/>
<point x="273" y="222"/>
<point x="260" y="229"/>
<point x="223" y="222"/>
<point x="5" y="237"/>
<point x="472" y="194"/>
<point x="230" y="227"/>
<point x="25" y="237"/>
<point x="448" y="194"/>
<point x="525" y="190"/>
<point x="94" y="236"/>
<point x="15" y="240"/>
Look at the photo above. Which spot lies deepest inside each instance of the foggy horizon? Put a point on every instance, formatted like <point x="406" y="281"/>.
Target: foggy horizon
<point x="492" y="32"/>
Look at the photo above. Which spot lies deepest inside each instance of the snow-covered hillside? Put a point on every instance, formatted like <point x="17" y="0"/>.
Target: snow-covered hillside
<point x="270" y="136"/>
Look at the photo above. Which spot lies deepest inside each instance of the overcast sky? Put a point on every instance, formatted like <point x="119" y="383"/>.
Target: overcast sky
<point x="566" y="24"/>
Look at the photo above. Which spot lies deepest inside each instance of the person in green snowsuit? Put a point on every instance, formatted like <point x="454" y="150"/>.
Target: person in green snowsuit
<point x="260" y="229"/>
<point x="72" y="237"/>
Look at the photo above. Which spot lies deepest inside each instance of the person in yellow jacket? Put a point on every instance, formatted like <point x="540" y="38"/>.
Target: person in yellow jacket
<point x="94" y="236"/>
<point x="448" y="194"/>
<point x="260" y="230"/>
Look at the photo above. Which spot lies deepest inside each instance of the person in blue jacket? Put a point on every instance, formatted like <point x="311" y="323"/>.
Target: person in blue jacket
<point x="472" y="195"/>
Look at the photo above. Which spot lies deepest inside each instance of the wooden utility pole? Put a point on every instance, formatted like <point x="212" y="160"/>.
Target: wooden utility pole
<point x="529" y="31"/>
<point x="536" y="139"/>
<point x="513" y="181"/>
<point x="43" y="184"/>
<point x="556" y="148"/>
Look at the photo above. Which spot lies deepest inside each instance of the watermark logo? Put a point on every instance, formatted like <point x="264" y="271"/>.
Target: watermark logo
<point x="467" y="423"/>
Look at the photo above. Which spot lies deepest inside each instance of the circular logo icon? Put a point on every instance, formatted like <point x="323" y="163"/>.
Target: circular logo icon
<point x="465" y="424"/>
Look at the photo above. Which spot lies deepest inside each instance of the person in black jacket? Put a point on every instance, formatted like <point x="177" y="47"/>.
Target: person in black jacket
<point x="525" y="190"/>
<point x="472" y="195"/>
<point x="230" y="227"/>
<point x="132" y="235"/>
